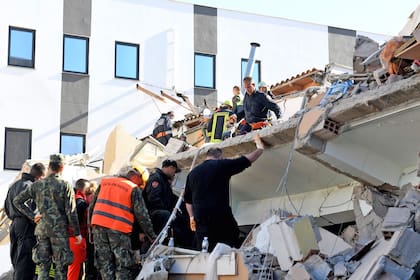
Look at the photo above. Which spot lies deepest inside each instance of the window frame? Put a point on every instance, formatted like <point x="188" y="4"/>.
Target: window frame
<point x="33" y="31"/>
<point x="214" y="70"/>
<point x="11" y="129"/>
<point x="137" y="60"/>
<point x="87" y="53"/>
<point x="259" y="71"/>
<point x="72" y="134"/>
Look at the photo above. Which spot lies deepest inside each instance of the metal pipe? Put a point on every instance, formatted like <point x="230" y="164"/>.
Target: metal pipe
<point x="251" y="59"/>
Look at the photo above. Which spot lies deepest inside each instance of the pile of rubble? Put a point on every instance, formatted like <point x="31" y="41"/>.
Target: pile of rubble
<point x="295" y="248"/>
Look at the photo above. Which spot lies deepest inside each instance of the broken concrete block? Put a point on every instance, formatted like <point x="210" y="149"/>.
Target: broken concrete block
<point x="417" y="220"/>
<point x="352" y="266"/>
<point x="349" y="234"/>
<point x="381" y="201"/>
<point x="369" y="226"/>
<point x="298" y="272"/>
<point x="406" y="250"/>
<point x="174" y="146"/>
<point x="365" y="207"/>
<point x="384" y="267"/>
<point x="283" y="245"/>
<point x="340" y="269"/>
<point x="305" y="233"/>
<point x="331" y="244"/>
<point x="418" y="165"/>
<point x="317" y="268"/>
<point x="396" y="219"/>
<point x="289" y="240"/>
<point x="411" y="199"/>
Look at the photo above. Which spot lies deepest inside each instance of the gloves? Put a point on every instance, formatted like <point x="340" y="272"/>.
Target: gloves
<point x="192" y="224"/>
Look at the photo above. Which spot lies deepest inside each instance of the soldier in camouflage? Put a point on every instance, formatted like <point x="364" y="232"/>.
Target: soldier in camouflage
<point x="55" y="201"/>
<point x="22" y="237"/>
<point x="115" y="207"/>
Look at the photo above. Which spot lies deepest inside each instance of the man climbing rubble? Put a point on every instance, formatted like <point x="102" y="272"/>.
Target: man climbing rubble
<point x="116" y="204"/>
<point x="163" y="128"/>
<point x="256" y="106"/>
<point x="207" y="196"/>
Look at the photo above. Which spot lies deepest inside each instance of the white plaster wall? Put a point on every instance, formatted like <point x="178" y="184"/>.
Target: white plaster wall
<point x="164" y="31"/>
<point x="287" y="48"/>
<point x="30" y="98"/>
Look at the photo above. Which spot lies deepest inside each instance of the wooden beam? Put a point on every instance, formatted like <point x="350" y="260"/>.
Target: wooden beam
<point x="150" y="93"/>
<point x="173" y="99"/>
<point x="187" y="100"/>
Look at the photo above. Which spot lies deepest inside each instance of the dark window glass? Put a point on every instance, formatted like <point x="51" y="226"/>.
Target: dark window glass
<point x="17" y="147"/>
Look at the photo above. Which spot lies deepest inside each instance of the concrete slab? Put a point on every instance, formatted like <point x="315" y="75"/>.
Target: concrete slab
<point x="397" y="218"/>
<point x="331" y="244"/>
<point x="406" y="250"/>
<point x="298" y="272"/>
<point x="317" y="268"/>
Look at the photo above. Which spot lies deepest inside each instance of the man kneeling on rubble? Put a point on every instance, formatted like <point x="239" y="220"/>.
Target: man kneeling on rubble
<point x="256" y="106"/>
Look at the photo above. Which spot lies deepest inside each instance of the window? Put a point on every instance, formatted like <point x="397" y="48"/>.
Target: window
<point x="75" y="54"/>
<point x="126" y="60"/>
<point x="17" y="147"/>
<point x="256" y="73"/>
<point x="71" y="144"/>
<point x="21" y="47"/>
<point x="204" y="70"/>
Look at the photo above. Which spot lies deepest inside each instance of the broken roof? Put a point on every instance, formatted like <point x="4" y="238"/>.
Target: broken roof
<point x="297" y="83"/>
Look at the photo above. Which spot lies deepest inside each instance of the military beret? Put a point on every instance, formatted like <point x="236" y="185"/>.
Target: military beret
<point x="57" y="158"/>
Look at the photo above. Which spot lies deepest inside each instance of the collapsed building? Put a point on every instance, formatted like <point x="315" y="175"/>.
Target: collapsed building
<point x="347" y="160"/>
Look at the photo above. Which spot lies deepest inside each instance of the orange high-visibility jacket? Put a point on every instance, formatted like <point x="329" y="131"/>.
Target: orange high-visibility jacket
<point x="113" y="208"/>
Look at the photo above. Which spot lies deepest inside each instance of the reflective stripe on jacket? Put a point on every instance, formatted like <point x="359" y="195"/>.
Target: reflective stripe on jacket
<point x="113" y="207"/>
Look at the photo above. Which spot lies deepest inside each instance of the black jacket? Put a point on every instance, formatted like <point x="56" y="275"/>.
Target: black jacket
<point x="158" y="193"/>
<point x="11" y="211"/>
<point x="256" y="107"/>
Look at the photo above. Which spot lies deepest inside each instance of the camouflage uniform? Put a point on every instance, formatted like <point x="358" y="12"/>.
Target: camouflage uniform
<point x="54" y="198"/>
<point x="113" y="254"/>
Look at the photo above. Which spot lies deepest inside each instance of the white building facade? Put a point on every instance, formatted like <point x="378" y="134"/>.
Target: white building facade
<point x="69" y="68"/>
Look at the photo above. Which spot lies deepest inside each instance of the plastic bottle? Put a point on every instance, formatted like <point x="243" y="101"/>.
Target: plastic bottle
<point x="205" y="245"/>
<point x="171" y="243"/>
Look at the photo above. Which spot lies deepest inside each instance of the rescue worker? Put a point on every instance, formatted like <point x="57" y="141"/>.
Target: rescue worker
<point x="262" y="87"/>
<point x="237" y="102"/>
<point x="160" y="201"/>
<point x="91" y="273"/>
<point x="54" y="198"/>
<point x="79" y="250"/>
<point x="22" y="237"/>
<point x="256" y="106"/>
<point x="222" y="132"/>
<point x="115" y="207"/>
<point x="207" y="196"/>
<point x="163" y="128"/>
